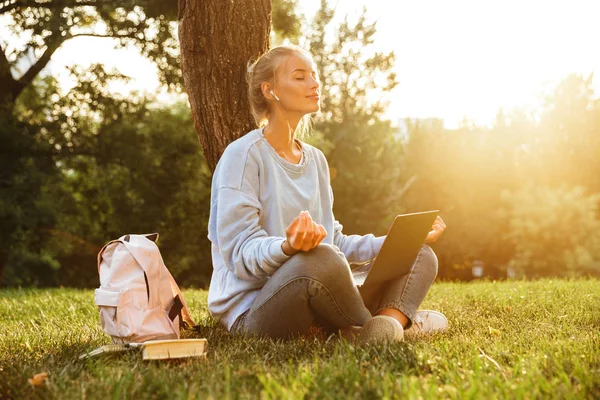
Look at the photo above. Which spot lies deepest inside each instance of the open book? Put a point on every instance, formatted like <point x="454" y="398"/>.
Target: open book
<point x="157" y="349"/>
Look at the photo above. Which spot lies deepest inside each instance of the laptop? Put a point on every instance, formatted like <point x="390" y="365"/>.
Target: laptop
<point x="399" y="250"/>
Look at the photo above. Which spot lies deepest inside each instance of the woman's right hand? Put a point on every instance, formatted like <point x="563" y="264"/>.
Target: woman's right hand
<point x="303" y="234"/>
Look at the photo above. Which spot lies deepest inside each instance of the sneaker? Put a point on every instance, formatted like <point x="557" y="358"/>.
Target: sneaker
<point x="378" y="328"/>
<point x="428" y="321"/>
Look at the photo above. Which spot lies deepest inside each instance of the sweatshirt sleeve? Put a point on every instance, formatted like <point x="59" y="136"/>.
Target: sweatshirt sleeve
<point x="356" y="248"/>
<point x="246" y="248"/>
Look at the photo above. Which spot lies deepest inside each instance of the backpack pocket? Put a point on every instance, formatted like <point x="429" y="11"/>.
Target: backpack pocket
<point x="107" y="301"/>
<point x="156" y="325"/>
<point x="124" y="315"/>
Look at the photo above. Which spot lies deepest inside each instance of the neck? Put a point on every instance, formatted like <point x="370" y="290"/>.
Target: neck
<point x="280" y="135"/>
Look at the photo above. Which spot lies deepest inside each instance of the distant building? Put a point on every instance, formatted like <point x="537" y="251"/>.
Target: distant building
<point x="477" y="268"/>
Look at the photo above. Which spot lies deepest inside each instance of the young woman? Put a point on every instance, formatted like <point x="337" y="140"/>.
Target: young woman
<point x="281" y="262"/>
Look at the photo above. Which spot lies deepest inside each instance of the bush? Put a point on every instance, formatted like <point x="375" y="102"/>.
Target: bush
<point x="554" y="231"/>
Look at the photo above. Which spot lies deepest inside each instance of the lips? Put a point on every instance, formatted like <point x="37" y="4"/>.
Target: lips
<point x="313" y="96"/>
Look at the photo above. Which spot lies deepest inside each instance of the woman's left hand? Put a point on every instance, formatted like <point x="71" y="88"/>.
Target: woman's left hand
<point x="439" y="226"/>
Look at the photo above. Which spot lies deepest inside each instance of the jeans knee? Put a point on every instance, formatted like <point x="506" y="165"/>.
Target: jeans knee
<point x="324" y="263"/>
<point x="429" y="261"/>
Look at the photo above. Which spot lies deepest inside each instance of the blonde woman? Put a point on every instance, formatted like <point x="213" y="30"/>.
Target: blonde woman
<point x="281" y="262"/>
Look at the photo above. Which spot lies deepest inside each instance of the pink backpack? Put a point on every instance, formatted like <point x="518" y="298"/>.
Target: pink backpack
<point x="138" y="298"/>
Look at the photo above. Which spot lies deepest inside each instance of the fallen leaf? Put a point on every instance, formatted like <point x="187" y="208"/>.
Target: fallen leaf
<point x="38" y="379"/>
<point x="494" y="331"/>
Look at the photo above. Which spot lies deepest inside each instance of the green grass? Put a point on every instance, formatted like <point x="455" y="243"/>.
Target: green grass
<point x="538" y="339"/>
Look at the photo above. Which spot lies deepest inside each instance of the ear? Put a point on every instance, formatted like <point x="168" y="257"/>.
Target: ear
<point x="265" y="87"/>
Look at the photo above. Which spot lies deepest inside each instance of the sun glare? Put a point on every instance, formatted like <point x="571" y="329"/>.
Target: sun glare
<point x="454" y="60"/>
<point x="470" y="58"/>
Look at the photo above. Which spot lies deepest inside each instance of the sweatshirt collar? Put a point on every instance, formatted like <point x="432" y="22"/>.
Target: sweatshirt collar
<point x="282" y="161"/>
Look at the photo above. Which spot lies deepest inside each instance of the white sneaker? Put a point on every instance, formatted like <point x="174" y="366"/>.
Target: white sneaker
<point x="428" y="321"/>
<point x="378" y="328"/>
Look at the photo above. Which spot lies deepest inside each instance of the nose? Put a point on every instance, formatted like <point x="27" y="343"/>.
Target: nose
<point x="316" y="83"/>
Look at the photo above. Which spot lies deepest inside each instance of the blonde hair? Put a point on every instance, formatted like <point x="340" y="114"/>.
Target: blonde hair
<point x="263" y="70"/>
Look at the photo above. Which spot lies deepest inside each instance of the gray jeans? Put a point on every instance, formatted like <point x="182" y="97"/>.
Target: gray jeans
<point x="316" y="288"/>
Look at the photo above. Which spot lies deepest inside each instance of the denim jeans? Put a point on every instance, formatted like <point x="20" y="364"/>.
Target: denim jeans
<point x="317" y="288"/>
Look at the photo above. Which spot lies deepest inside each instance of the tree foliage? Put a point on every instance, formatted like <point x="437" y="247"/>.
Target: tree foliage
<point x="554" y="231"/>
<point x="125" y="167"/>
<point x="25" y="167"/>
<point x="286" y="21"/>
<point x="505" y="191"/>
<point x="79" y="168"/>
<point x="46" y="25"/>
<point x="361" y="148"/>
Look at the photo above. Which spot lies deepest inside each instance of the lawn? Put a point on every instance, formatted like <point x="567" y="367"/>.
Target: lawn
<point x="520" y="339"/>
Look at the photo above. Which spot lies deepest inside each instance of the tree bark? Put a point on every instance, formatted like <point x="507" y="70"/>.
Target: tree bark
<point x="217" y="39"/>
<point x="9" y="86"/>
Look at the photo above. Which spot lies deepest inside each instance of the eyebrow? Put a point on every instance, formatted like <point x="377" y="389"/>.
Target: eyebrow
<point x="302" y="70"/>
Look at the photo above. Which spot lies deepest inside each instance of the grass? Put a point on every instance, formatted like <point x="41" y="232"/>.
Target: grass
<point x="524" y="339"/>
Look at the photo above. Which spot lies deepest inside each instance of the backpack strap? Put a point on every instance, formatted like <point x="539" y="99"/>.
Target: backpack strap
<point x="142" y="251"/>
<point x="185" y="311"/>
<point x="176" y="308"/>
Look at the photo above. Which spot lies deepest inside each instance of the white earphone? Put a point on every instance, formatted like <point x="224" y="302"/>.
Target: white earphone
<point x="274" y="95"/>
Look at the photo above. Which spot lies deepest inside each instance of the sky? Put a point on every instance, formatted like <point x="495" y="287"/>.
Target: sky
<point x="470" y="58"/>
<point x="454" y="59"/>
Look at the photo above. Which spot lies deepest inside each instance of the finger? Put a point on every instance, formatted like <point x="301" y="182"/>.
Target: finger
<point x="301" y="231"/>
<point x="309" y="236"/>
<point x="434" y="235"/>
<point x="441" y="221"/>
<point x="310" y="219"/>
<point x="316" y="235"/>
<point x="322" y="234"/>
<point x="290" y="231"/>
<point x="430" y="237"/>
<point x="294" y="224"/>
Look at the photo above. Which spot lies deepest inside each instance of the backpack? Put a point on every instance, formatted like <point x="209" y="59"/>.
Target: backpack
<point x="138" y="298"/>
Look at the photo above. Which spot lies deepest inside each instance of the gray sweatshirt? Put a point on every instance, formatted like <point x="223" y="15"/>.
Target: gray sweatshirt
<point x="255" y="195"/>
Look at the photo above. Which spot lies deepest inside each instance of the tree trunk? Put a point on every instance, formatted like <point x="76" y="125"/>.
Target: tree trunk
<point x="9" y="86"/>
<point x="217" y="39"/>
